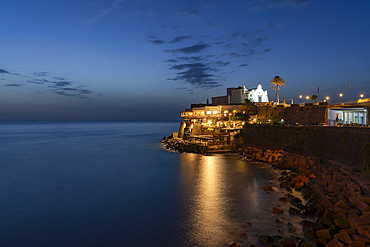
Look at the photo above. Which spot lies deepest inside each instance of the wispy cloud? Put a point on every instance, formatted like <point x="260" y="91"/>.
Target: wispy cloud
<point x="13" y="85"/>
<point x="105" y="12"/>
<point x="37" y="81"/>
<point x="40" y="73"/>
<point x="198" y="75"/>
<point x="189" y="49"/>
<point x="262" y="5"/>
<point x="2" y="71"/>
<point x="156" y="42"/>
<point x="180" y="38"/>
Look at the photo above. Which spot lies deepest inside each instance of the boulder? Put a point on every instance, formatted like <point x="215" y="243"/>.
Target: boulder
<point x="266" y="239"/>
<point x="277" y="210"/>
<point x="343" y="236"/>
<point x="324" y="233"/>
<point x="287" y="242"/>
<point x="335" y="243"/>
<point x="361" y="238"/>
<point x="341" y="223"/>
<point x="357" y="244"/>
<point x="356" y="222"/>
<point x="309" y="244"/>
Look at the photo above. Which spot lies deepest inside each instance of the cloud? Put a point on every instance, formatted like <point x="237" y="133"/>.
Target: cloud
<point x="12" y="85"/>
<point x="189" y="66"/>
<point x="180" y="38"/>
<point x="171" y="61"/>
<point x="189" y="49"/>
<point x="60" y="83"/>
<point x="262" y="5"/>
<point x="38" y="81"/>
<point x="4" y="71"/>
<point x="220" y="63"/>
<point x="113" y="6"/>
<point x="85" y="91"/>
<point x="197" y="74"/>
<point x="59" y="78"/>
<point x="191" y="59"/>
<point x="203" y="64"/>
<point x="40" y="73"/>
<point x="156" y="42"/>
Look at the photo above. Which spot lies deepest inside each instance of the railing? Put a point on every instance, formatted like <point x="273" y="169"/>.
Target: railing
<point x="347" y="102"/>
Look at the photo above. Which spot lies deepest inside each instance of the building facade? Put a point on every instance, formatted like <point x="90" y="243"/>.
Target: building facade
<point x="237" y="95"/>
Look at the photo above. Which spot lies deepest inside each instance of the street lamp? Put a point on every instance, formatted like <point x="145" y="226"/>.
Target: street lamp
<point x="327" y="99"/>
<point x="307" y="98"/>
<point x="361" y="95"/>
<point x="300" y="97"/>
<point x="341" y="95"/>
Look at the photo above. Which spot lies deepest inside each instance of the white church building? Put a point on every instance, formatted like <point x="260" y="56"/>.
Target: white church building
<point x="237" y="95"/>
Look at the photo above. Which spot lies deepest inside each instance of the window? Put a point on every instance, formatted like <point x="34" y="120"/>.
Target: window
<point x="209" y="112"/>
<point x="214" y="112"/>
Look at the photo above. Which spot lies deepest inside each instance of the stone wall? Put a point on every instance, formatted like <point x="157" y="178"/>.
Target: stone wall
<point x="342" y="144"/>
<point x="308" y="114"/>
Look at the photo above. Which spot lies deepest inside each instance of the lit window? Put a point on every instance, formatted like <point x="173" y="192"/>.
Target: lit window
<point x="209" y="112"/>
<point x="214" y="112"/>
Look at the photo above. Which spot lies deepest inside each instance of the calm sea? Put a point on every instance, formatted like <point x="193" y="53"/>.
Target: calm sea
<point x="114" y="184"/>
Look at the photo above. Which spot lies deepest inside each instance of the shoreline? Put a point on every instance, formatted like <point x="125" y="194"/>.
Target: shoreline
<point x="333" y="193"/>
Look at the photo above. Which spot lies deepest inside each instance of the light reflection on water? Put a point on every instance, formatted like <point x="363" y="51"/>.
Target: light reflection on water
<point x="221" y="193"/>
<point x="112" y="184"/>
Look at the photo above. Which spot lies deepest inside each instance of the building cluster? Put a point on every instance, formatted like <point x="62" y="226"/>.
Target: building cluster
<point x="225" y="111"/>
<point x="231" y="111"/>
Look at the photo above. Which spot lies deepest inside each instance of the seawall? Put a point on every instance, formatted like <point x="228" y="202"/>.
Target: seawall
<point x="343" y="144"/>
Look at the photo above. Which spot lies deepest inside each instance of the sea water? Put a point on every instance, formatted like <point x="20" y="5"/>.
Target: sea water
<point x="115" y="184"/>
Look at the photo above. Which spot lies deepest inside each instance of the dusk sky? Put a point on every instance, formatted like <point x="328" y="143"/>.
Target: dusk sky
<point x="149" y="60"/>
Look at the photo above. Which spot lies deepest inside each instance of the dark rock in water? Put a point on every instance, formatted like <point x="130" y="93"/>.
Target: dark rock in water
<point x="307" y="224"/>
<point x="287" y="242"/>
<point x="294" y="210"/>
<point x="234" y="245"/>
<point x="301" y="207"/>
<point x="268" y="188"/>
<point x="295" y="200"/>
<point x="266" y="239"/>
<point x="278" y="221"/>
<point x="277" y="210"/>
<point x="309" y="234"/>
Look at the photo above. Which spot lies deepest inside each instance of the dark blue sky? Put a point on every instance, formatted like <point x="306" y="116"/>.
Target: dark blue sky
<point x="148" y="60"/>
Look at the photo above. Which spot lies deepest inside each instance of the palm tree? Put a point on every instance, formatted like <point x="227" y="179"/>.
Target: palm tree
<point x="277" y="82"/>
<point x="314" y="98"/>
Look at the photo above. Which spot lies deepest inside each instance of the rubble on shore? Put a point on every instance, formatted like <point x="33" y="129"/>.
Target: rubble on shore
<point x="342" y="211"/>
<point x="183" y="146"/>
